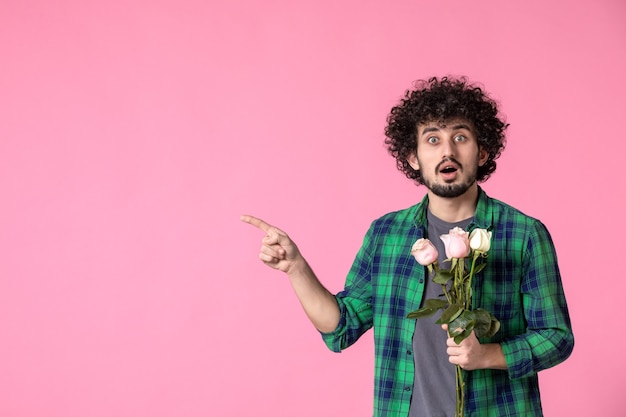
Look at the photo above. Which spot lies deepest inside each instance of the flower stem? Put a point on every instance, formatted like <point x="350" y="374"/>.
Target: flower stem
<point x="458" y="282"/>
<point x="446" y="293"/>
<point x="460" y="392"/>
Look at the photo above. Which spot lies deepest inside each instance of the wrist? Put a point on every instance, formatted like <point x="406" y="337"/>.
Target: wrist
<point x="299" y="267"/>
<point x="494" y="357"/>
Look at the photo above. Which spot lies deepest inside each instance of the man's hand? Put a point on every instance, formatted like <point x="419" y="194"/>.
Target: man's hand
<point x="277" y="250"/>
<point x="470" y="354"/>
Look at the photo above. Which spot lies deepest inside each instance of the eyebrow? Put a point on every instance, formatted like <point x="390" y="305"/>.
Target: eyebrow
<point x="430" y="129"/>
<point x="437" y="129"/>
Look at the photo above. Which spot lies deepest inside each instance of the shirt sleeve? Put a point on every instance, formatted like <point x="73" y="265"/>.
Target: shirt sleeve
<point x="355" y="301"/>
<point x="548" y="339"/>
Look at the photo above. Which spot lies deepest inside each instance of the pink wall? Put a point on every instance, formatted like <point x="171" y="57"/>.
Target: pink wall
<point x="134" y="134"/>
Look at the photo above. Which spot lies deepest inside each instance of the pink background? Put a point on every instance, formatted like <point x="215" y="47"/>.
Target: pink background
<point x="134" y="133"/>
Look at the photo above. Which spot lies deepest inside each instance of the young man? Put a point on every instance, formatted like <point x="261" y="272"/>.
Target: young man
<point x="445" y="134"/>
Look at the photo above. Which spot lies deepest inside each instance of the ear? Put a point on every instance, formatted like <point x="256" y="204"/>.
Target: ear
<point x="412" y="160"/>
<point x="483" y="155"/>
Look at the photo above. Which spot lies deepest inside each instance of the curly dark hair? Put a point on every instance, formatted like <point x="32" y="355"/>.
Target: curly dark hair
<point x="440" y="100"/>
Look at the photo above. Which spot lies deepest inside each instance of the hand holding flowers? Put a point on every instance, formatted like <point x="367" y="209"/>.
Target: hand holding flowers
<point x="463" y="250"/>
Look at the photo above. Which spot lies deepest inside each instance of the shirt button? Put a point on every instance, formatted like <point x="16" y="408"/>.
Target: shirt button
<point x="421" y="280"/>
<point x="408" y="352"/>
<point x="407" y="388"/>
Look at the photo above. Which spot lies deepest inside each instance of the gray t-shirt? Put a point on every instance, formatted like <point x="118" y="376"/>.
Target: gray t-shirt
<point x="434" y="392"/>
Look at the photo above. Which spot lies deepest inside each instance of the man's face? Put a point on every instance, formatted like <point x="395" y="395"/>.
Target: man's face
<point x="448" y="156"/>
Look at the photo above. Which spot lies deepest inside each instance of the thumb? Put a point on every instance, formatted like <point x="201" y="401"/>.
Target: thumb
<point x="273" y="237"/>
<point x="277" y="241"/>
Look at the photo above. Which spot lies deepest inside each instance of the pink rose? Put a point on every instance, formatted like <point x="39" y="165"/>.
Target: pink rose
<point x="424" y="252"/>
<point x="456" y="243"/>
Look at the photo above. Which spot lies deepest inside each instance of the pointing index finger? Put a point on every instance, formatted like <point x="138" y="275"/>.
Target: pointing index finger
<point x="256" y="222"/>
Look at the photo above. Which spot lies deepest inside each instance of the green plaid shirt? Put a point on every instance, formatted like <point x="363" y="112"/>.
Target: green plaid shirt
<point x="521" y="286"/>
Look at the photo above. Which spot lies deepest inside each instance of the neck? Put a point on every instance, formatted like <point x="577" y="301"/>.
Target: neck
<point x="454" y="209"/>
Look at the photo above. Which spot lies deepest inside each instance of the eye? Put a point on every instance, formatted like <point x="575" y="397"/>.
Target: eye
<point x="460" y="138"/>
<point x="432" y="139"/>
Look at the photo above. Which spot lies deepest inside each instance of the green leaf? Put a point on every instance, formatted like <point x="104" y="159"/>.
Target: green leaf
<point x="442" y="277"/>
<point x="482" y="316"/>
<point x="450" y="313"/>
<point x="479" y="268"/>
<point x="462" y="324"/>
<point x="458" y="339"/>
<point x="430" y="307"/>
<point x="421" y="313"/>
<point x="436" y="303"/>
<point x="495" y="326"/>
<point x="483" y="322"/>
<point x="486" y="324"/>
<point x="453" y="262"/>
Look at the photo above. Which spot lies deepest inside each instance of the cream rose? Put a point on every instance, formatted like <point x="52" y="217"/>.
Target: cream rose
<point x="480" y="240"/>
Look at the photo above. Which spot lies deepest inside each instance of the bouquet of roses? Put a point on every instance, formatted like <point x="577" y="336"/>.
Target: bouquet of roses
<point x="466" y="253"/>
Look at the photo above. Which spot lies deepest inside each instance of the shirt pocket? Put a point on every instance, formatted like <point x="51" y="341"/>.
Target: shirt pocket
<point x="500" y="293"/>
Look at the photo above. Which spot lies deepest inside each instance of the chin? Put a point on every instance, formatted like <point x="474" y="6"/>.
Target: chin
<point x="449" y="190"/>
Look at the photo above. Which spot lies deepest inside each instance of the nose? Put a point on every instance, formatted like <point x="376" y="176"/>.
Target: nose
<point x="448" y="148"/>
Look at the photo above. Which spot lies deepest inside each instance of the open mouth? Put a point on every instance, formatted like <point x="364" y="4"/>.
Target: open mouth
<point x="448" y="170"/>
